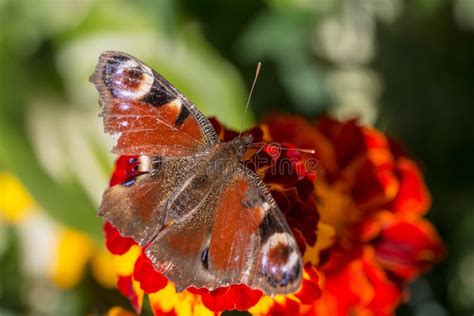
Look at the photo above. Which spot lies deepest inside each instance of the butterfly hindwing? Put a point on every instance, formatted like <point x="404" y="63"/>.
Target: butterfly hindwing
<point x="251" y="242"/>
<point x="146" y="113"/>
<point x="137" y="207"/>
<point x="237" y="236"/>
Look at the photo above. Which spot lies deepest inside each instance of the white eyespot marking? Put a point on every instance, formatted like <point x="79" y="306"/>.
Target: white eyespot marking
<point x="280" y="261"/>
<point x="132" y="80"/>
<point x="292" y="261"/>
<point x="275" y="240"/>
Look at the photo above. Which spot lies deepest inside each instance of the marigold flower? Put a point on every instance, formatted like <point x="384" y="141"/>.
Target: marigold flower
<point x="66" y="273"/>
<point x="355" y="211"/>
<point x="373" y="195"/>
<point x="293" y="188"/>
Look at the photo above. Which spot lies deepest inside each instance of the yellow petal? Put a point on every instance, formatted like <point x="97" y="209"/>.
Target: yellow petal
<point x="263" y="306"/>
<point x="124" y="264"/>
<point x="184" y="303"/>
<point x="101" y="269"/>
<point x="325" y="239"/>
<point x="74" y="250"/>
<point x="119" y="311"/>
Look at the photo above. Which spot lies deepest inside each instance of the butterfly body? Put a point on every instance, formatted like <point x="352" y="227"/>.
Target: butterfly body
<point x="203" y="218"/>
<point x="209" y="170"/>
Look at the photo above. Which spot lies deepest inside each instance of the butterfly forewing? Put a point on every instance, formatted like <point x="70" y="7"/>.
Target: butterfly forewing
<point x="145" y="112"/>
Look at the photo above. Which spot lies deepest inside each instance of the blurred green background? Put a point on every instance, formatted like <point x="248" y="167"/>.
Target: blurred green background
<point x="405" y="66"/>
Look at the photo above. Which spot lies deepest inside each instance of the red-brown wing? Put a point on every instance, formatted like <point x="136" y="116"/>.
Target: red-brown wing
<point x="145" y="112"/>
<point x="237" y="236"/>
<point x="251" y="242"/>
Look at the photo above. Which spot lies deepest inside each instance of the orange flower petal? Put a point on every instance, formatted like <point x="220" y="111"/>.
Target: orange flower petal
<point x="408" y="247"/>
<point x="355" y="284"/>
<point x="413" y="196"/>
<point x="387" y="295"/>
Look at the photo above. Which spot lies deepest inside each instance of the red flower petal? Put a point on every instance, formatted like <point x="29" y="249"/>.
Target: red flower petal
<point x="408" y="247"/>
<point x="375" y="183"/>
<point x="235" y="297"/>
<point x="387" y="295"/>
<point x="303" y="216"/>
<point x="115" y="243"/>
<point x="355" y="282"/>
<point x="158" y="312"/>
<point x="125" y="286"/>
<point x="198" y="291"/>
<point x="413" y="196"/>
<point x="347" y="137"/>
<point x="150" y="280"/>
<point x="125" y="168"/>
<point x="289" y="307"/>
<point x="310" y="290"/>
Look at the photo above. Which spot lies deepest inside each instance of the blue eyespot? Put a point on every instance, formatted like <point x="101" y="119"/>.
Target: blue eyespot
<point x="129" y="183"/>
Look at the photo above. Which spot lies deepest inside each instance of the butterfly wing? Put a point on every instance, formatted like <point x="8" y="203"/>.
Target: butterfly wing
<point x="137" y="207"/>
<point x="147" y="114"/>
<point x="251" y="242"/>
<point x="237" y="236"/>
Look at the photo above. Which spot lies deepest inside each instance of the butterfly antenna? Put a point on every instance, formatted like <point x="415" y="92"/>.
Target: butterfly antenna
<point x="257" y="71"/>
<point x="303" y="150"/>
<point x="306" y="151"/>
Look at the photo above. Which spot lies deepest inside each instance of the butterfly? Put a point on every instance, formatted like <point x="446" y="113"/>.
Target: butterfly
<point x="204" y="219"/>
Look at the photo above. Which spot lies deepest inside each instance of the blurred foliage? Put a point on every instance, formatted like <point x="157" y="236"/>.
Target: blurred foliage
<point x="405" y="66"/>
<point x="13" y="284"/>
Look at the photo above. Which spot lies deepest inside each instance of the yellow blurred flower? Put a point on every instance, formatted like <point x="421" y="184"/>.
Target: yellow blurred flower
<point x="119" y="311"/>
<point x="74" y="250"/>
<point x="15" y="201"/>
<point x="100" y="266"/>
